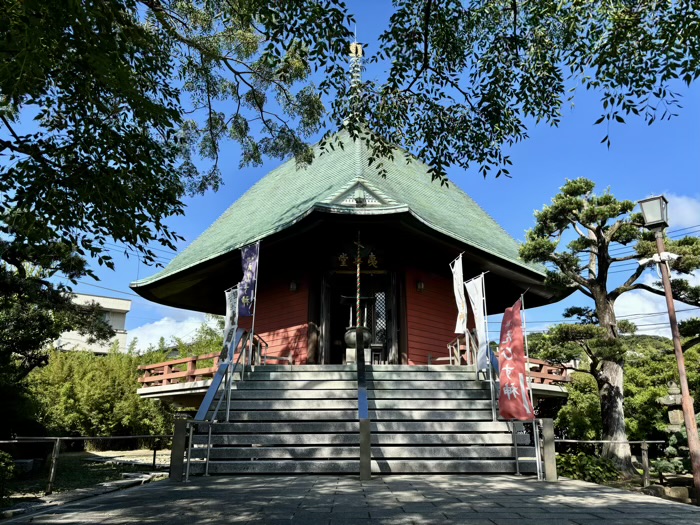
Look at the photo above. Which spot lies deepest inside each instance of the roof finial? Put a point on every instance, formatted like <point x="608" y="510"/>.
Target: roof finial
<point x="356" y="54"/>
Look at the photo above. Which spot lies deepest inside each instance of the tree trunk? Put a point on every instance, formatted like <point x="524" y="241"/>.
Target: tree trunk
<point x="610" y="378"/>
<point x="611" y="391"/>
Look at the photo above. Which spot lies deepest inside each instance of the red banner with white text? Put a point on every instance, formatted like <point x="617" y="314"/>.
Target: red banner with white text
<point x="514" y="392"/>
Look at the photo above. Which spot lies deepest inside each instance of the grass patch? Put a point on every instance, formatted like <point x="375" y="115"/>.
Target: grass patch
<point x="74" y="470"/>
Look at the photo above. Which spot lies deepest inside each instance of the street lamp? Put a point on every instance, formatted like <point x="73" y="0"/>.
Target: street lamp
<point x="655" y="211"/>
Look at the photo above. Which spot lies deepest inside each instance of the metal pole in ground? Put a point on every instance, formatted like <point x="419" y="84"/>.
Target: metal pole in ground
<point x="691" y="425"/>
<point x="189" y="452"/>
<point x="54" y="460"/>
<point x="538" y="450"/>
<point x="362" y="403"/>
<point x="515" y="448"/>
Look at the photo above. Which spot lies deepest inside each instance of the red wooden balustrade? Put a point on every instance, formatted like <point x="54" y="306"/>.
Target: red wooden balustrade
<point x="545" y="373"/>
<point x="541" y="372"/>
<point x="185" y="371"/>
<point x="178" y="371"/>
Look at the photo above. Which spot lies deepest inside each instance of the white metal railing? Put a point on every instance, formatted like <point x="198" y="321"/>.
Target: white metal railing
<point x="252" y="350"/>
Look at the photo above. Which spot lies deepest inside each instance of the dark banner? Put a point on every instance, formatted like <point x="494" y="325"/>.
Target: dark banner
<point x="246" y="288"/>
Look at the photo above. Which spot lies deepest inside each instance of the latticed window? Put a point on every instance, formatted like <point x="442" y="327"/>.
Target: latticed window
<point x="379" y="321"/>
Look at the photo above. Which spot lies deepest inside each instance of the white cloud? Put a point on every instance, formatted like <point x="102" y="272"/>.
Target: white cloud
<point x="683" y="211"/>
<point x="168" y="328"/>
<point x="648" y="311"/>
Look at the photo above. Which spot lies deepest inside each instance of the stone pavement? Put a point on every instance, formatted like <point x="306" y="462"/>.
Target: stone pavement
<point x="333" y="500"/>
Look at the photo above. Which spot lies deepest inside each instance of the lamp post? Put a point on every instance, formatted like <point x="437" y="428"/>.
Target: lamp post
<point x="655" y="211"/>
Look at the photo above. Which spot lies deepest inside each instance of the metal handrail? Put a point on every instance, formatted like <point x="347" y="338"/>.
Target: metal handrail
<point x="454" y="350"/>
<point x="363" y="409"/>
<point x="227" y="384"/>
<point x="242" y="343"/>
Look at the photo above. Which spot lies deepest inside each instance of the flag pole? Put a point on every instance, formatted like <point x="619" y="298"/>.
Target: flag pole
<point x="230" y="366"/>
<point x="255" y="307"/>
<point x="488" y="348"/>
<point x="453" y="260"/>
<point x="527" y="349"/>
<point x="535" y="426"/>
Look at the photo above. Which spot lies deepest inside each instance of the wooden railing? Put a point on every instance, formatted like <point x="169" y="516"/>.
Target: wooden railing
<point x="462" y="351"/>
<point x="178" y="370"/>
<point x="545" y="373"/>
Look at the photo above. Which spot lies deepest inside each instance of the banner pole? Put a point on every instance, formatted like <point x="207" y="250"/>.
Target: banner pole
<point x="515" y="447"/>
<point x="527" y="352"/>
<point x="231" y="352"/>
<point x="453" y="260"/>
<point x="255" y="307"/>
<point x="538" y="452"/>
<point x="488" y="349"/>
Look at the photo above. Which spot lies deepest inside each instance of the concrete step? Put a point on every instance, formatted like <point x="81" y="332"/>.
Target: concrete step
<point x="299" y="375"/>
<point x="353" y="452"/>
<point x="351" y="404"/>
<point x="304" y="419"/>
<point x="469" y="466"/>
<point x="328" y="384"/>
<point x="368" y="367"/>
<point x="392" y="427"/>
<point x="352" y="438"/>
<point x="375" y="415"/>
<point x="403" y="375"/>
<point x="278" y="467"/>
<point x="298" y="385"/>
<point x="450" y="394"/>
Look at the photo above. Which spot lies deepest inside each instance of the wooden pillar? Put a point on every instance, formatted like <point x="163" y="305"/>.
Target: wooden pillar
<point x="548" y="453"/>
<point x="177" y="454"/>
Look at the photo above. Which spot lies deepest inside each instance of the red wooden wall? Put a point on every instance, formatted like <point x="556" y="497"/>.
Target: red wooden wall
<point x="430" y="315"/>
<point x="281" y="319"/>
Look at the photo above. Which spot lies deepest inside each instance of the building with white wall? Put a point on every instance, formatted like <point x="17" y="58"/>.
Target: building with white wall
<point x="115" y="311"/>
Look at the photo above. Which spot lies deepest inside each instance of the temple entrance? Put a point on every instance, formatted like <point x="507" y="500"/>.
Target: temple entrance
<point x="377" y="314"/>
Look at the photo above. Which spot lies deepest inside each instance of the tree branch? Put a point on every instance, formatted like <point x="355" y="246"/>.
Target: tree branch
<point x="627" y="258"/>
<point x="642" y="286"/>
<point x="627" y="285"/>
<point x="691" y="343"/>
<point x="426" y="41"/>
<point x="584" y="291"/>
<point x="613" y="230"/>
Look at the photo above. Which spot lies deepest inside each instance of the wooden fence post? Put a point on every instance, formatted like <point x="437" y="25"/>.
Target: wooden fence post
<point x="54" y="460"/>
<point x="645" y="464"/>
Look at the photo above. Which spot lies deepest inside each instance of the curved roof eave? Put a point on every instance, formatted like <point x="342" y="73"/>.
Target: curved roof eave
<point x="341" y="210"/>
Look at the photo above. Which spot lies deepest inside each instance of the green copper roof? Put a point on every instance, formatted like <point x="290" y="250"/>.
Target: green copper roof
<point x="288" y="194"/>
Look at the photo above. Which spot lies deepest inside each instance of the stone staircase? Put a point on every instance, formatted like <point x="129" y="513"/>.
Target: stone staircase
<point x="303" y="419"/>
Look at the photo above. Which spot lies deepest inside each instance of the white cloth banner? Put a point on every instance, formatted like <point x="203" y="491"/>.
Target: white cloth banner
<point x="475" y="292"/>
<point x="231" y="318"/>
<point x="457" y="281"/>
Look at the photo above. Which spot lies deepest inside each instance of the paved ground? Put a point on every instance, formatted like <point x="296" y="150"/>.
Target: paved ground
<point x="332" y="500"/>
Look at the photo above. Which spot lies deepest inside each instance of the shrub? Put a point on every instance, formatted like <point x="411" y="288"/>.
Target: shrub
<point x="7" y="471"/>
<point x="587" y="468"/>
<point x="79" y="393"/>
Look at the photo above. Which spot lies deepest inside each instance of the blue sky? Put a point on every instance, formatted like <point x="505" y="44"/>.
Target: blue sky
<point x="643" y="160"/>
